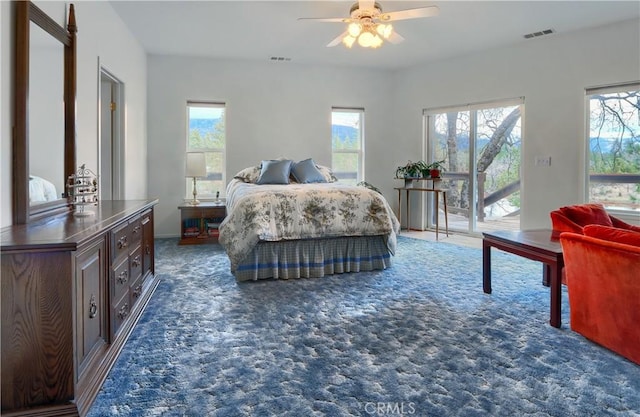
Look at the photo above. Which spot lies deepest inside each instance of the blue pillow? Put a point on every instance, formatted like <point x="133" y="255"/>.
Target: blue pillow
<point x="275" y="172"/>
<point x="306" y="172"/>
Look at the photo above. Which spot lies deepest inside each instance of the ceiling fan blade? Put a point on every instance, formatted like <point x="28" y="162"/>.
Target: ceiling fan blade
<point x="395" y="38"/>
<point x="366" y="4"/>
<point x="337" y="40"/>
<point x="410" y="14"/>
<point x="327" y="19"/>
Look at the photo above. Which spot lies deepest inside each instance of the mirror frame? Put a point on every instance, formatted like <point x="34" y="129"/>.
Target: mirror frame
<point x="27" y="12"/>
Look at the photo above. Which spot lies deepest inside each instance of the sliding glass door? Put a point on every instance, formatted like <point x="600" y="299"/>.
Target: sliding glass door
<point x="481" y="147"/>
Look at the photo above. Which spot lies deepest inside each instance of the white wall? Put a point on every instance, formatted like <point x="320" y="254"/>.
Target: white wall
<point x="101" y="35"/>
<point x="552" y="74"/>
<point x="273" y="110"/>
<point x="283" y="109"/>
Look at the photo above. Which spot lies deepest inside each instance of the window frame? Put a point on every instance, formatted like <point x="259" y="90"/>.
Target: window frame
<point x="206" y="150"/>
<point x="627" y="214"/>
<point x="360" y="152"/>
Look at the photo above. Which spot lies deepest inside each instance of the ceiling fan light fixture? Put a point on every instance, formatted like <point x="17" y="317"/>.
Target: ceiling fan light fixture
<point x="354" y="29"/>
<point x="384" y="30"/>
<point x="366" y="39"/>
<point x="369" y="39"/>
<point x="348" y="41"/>
<point x="377" y="41"/>
<point x="368" y="26"/>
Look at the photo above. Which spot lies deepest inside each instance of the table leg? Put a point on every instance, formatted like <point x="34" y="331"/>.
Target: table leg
<point x="546" y="275"/>
<point x="446" y="217"/>
<point x="437" y="195"/>
<point x="556" y="294"/>
<point x="400" y="208"/>
<point x="486" y="267"/>
<point x="408" y="212"/>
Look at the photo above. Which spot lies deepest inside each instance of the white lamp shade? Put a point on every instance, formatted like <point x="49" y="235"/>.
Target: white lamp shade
<point x="196" y="165"/>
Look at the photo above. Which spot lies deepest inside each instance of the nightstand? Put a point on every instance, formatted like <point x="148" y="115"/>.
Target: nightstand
<point x="199" y="224"/>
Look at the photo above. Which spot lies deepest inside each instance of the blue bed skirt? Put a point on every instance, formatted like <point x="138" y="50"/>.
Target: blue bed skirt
<point x="314" y="258"/>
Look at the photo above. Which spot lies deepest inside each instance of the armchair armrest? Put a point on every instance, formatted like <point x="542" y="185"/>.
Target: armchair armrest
<point x="623" y="225"/>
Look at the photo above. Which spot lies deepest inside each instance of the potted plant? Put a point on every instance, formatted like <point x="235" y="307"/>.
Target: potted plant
<point x="412" y="170"/>
<point x="435" y="168"/>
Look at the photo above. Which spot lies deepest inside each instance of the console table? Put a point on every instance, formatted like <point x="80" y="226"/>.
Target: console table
<point x="431" y="189"/>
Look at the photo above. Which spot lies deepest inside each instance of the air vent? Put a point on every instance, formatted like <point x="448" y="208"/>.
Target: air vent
<point x="541" y="33"/>
<point x="279" y="59"/>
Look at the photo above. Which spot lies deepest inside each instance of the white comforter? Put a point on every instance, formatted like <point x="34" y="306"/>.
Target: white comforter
<point x="301" y="211"/>
<point x="41" y="190"/>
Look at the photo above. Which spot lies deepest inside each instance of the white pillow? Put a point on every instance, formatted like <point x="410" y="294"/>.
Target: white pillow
<point x="249" y="175"/>
<point x="327" y="173"/>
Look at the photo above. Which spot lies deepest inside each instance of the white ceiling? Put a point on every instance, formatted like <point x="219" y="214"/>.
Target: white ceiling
<point x="259" y="30"/>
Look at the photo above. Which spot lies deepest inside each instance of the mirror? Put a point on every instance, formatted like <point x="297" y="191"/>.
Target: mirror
<point x="46" y="117"/>
<point x="44" y="130"/>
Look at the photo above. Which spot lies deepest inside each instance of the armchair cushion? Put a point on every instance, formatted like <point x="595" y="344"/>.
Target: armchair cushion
<point x="612" y="234"/>
<point x="574" y="218"/>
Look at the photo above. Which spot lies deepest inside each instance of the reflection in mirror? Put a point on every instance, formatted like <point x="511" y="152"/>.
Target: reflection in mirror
<point x="46" y="117"/>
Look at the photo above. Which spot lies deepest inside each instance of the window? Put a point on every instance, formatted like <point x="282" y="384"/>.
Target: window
<point x="614" y="147"/>
<point x="347" y="144"/>
<point x="480" y="145"/>
<point x="206" y="133"/>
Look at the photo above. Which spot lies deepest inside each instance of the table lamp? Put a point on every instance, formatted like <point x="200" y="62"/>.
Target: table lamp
<point x="196" y="167"/>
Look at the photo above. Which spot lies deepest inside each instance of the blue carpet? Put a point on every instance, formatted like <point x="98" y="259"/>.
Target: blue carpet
<point x="420" y="338"/>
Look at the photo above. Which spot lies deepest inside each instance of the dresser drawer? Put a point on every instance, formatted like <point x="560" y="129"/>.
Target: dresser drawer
<point x="135" y="290"/>
<point x="120" y="312"/>
<point x="120" y="280"/>
<point x="135" y="232"/>
<point x="120" y="241"/>
<point x="135" y="263"/>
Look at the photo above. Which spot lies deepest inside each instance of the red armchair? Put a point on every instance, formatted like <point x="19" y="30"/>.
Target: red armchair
<point x="602" y="269"/>
<point x="574" y="218"/>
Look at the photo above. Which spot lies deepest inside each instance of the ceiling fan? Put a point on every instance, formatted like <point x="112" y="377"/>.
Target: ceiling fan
<point x="368" y="24"/>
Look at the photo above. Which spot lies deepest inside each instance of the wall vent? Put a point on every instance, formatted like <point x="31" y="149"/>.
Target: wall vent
<point x="541" y="33"/>
<point x="279" y="59"/>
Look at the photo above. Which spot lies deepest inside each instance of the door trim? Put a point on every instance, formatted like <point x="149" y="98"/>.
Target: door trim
<point x="117" y="132"/>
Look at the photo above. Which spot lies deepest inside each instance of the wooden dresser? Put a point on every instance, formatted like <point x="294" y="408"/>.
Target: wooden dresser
<point x="73" y="288"/>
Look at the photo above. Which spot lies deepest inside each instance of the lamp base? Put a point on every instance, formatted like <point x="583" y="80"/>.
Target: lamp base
<point x="194" y="202"/>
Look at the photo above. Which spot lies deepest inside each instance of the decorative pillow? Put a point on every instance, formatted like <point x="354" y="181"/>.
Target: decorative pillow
<point x="612" y="234"/>
<point x="275" y="172"/>
<point x="327" y="173"/>
<point x="249" y="175"/>
<point x="560" y="223"/>
<point x="306" y="172"/>
<point x="584" y="214"/>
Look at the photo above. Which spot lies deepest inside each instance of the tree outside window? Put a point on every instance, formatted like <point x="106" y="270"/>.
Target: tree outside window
<point x="614" y="147"/>
<point x="206" y="133"/>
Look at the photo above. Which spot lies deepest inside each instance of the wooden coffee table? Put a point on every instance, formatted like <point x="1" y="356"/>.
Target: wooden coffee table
<point x="536" y="245"/>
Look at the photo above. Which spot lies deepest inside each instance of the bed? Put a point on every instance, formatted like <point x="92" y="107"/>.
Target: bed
<point x="41" y="190"/>
<point x="294" y="228"/>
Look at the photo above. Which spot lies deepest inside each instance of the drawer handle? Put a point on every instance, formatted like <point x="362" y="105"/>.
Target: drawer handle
<point x="93" y="307"/>
<point x="124" y="312"/>
<point x="137" y="291"/>
<point x="123" y="277"/>
<point x="122" y="242"/>
<point x="135" y="262"/>
<point x="136" y="230"/>
<point x="147" y="249"/>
